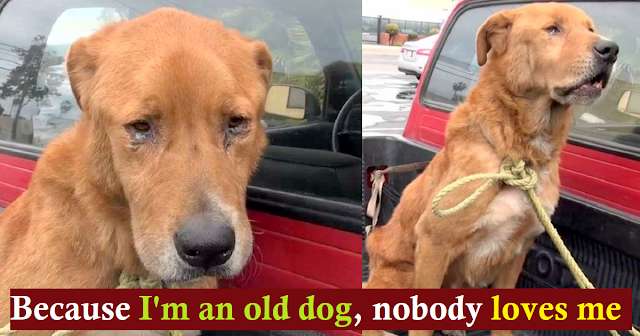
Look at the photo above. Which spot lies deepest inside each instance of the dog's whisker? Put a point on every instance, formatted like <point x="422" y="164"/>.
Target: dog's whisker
<point x="258" y="262"/>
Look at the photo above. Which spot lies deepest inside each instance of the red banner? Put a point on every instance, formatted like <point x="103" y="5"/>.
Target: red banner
<point x="328" y="309"/>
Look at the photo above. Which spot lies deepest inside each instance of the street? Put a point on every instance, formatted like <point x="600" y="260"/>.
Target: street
<point x="387" y="93"/>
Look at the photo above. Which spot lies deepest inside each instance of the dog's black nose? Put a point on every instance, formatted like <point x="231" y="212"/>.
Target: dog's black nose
<point x="205" y="241"/>
<point x="608" y="50"/>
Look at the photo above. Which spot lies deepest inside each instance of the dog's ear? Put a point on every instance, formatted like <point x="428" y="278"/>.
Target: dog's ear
<point x="83" y="60"/>
<point x="82" y="63"/>
<point x="262" y="57"/>
<point x="492" y="35"/>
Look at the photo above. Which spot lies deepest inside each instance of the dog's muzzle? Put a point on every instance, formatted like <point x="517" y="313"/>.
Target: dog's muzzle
<point x="205" y="241"/>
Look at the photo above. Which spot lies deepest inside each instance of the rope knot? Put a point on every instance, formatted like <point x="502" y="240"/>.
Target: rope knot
<point x="522" y="176"/>
<point x="516" y="175"/>
<point x="133" y="281"/>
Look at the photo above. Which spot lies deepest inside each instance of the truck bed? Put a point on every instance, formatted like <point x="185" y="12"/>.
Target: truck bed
<point x="603" y="241"/>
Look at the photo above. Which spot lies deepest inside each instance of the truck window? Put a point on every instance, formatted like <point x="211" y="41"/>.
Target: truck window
<point x="613" y="122"/>
<point x="36" y="102"/>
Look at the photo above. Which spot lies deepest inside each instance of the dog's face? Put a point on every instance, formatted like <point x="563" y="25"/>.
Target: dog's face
<point x="176" y="101"/>
<point x="550" y="48"/>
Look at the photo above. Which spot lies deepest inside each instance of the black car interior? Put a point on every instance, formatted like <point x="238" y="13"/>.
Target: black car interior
<point x="318" y="161"/>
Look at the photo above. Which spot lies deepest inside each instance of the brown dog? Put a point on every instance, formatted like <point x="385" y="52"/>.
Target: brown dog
<point x="537" y="61"/>
<point x="152" y="179"/>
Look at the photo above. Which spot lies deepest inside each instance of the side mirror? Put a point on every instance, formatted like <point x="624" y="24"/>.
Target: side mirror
<point x="630" y="103"/>
<point x="291" y="102"/>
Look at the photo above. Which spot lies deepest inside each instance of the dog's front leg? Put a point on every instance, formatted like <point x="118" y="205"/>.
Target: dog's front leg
<point x="508" y="278"/>
<point x="431" y="263"/>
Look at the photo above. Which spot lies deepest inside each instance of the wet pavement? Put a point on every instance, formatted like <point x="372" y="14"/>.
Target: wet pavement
<point x="387" y="93"/>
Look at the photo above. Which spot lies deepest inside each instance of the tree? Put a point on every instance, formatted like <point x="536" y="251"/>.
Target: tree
<point x="392" y="29"/>
<point x="22" y="83"/>
<point x="458" y="87"/>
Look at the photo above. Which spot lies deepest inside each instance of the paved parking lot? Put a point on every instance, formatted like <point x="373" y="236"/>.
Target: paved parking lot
<point x="387" y="93"/>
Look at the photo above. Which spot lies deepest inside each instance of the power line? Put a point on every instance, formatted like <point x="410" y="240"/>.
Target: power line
<point x="175" y="4"/>
<point x="133" y="9"/>
<point x="6" y="60"/>
<point x="11" y="46"/>
<point x="10" y="53"/>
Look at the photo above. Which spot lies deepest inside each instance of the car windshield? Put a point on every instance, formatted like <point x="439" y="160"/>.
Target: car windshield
<point x="614" y="118"/>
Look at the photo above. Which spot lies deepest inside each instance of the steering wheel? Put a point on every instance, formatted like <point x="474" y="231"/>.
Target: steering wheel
<point x="342" y="118"/>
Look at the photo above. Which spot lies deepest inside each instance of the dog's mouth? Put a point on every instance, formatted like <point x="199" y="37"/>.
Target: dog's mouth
<point x="591" y="86"/>
<point x="182" y="271"/>
<point x="171" y="268"/>
<point x="192" y="273"/>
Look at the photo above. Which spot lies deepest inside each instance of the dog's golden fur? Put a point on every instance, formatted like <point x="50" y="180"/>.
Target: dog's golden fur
<point x="98" y="205"/>
<point x="513" y="113"/>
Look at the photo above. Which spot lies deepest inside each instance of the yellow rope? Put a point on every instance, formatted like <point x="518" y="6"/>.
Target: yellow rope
<point x="125" y="282"/>
<point x="6" y="331"/>
<point x="525" y="178"/>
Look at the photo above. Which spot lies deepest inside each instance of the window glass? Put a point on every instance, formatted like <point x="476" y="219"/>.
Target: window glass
<point x="456" y="69"/>
<point x="353" y="37"/>
<point x="57" y="109"/>
<point x="36" y="102"/>
<point x="294" y="58"/>
<point x="613" y="120"/>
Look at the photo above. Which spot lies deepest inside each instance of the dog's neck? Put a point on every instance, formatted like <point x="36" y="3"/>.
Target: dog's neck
<point x="530" y="126"/>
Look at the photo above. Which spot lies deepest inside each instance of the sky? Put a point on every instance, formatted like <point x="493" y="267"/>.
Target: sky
<point x="73" y="24"/>
<point x="415" y="10"/>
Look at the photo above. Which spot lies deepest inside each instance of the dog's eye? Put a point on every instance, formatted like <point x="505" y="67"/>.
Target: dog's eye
<point x="237" y="125"/>
<point x="141" y="126"/>
<point x="139" y="131"/>
<point x="553" y="30"/>
<point x="235" y="121"/>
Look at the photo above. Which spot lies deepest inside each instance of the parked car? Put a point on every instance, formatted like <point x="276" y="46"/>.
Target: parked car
<point x="599" y="212"/>
<point x="305" y="200"/>
<point x="415" y="54"/>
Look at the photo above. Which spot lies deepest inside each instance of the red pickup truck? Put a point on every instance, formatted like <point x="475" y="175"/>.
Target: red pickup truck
<point x="599" y="213"/>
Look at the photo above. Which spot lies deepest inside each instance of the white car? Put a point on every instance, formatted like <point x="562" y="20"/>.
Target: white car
<point x="415" y="54"/>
